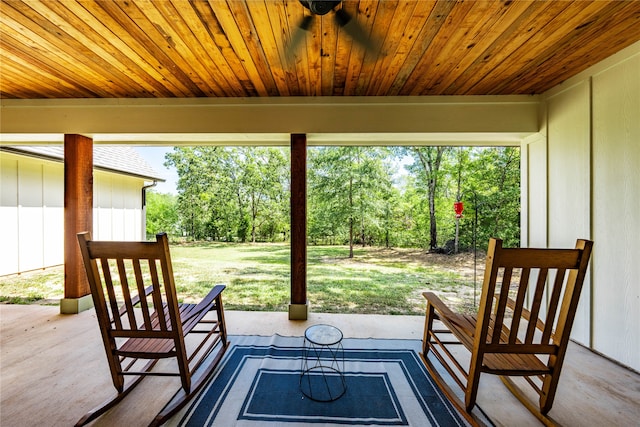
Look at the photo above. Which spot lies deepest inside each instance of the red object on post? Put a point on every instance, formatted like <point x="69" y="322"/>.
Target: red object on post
<point x="458" y="207"/>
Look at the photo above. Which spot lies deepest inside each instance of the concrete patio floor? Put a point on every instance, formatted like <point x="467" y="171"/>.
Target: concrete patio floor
<point x="53" y="370"/>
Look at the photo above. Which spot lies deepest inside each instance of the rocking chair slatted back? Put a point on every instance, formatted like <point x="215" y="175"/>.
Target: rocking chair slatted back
<point x="131" y="282"/>
<point x="515" y="276"/>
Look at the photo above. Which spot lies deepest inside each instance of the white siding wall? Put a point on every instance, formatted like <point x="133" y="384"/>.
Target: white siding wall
<point x="9" y="214"/>
<point x="536" y="160"/>
<point x="589" y="186"/>
<point x="117" y="203"/>
<point x="53" y="213"/>
<point x="569" y="177"/>
<point x="32" y="211"/>
<point x="616" y="211"/>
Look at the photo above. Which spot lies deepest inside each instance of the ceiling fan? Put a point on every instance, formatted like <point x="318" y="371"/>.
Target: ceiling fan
<point x="342" y="18"/>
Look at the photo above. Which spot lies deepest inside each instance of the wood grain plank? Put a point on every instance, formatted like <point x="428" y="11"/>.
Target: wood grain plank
<point x="481" y="40"/>
<point x="294" y="16"/>
<point x="110" y="36"/>
<point x="260" y="17"/>
<point x="328" y="51"/>
<point x="17" y="85"/>
<point x="228" y="37"/>
<point x="120" y="40"/>
<point x="443" y="47"/>
<point x="211" y="35"/>
<point x="48" y="47"/>
<point x="365" y="14"/>
<point x="381" y="19"/>
<point x="83" y="30"/>
<point x="127" y="16"/>
<point x="400" y="33"/>
<point x="344" y="45"/>
<point x="243" y="36"/>
<point x="578" y="53"/>
<point x="279" y="25"/>
<point x="514" y="36"/>
<point x="398" y="70"/>
<point x="207" y="50"/>
<point x="314" y="46"/>
<point x="405" y="81"/>
<point x="170" y="34"/>
<point x="33" y="77"/>
<point x="93" y="48"/>
<point x="75" y="43"/>
<point x="538" y="44"/>
<point x="480" y="15"/>
<point x="237" y="48"/>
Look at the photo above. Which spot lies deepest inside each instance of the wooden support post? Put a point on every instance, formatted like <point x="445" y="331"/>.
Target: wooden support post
<point x="298" y="309"/>
<point x="78" y="216"/>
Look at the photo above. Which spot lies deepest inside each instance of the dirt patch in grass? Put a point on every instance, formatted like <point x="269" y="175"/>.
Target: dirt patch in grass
<point x="466" y="269"/>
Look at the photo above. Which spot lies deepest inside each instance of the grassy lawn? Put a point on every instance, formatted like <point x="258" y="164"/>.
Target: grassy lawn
<point x="375" y="281"/>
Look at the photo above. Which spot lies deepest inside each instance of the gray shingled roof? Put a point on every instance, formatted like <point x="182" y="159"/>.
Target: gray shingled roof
<point x="115" y="158"/>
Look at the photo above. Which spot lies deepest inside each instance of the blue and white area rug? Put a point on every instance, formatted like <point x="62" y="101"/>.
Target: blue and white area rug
<point x="257" y="384"/>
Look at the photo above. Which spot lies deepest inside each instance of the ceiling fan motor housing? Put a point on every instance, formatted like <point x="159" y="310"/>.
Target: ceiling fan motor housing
<point x="320" y="7"/>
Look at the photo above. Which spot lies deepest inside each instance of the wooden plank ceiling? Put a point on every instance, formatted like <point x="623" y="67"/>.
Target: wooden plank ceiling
<point x="240" y="48"/>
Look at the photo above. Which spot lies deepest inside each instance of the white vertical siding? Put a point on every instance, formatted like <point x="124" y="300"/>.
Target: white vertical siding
<point x="102" y="206"/>
<point x="569" y="135"/>
<point x="592" y="131"/>
<point x="30" y="227"/>
<point x="53" y="214"/>
<point x="9" y="215"/>
<point x="535" y="195"/>
<point x="133" y="212"/>
<point x="117" y="202"/>
<point x="117" y="209"/>
<point x="616" y="225"/>
<point x="32" y="211"/>
<point x="536" y="151"/>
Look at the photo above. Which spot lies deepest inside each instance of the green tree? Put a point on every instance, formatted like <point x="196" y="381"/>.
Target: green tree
<point x="348" y="186"/>
<point x="499" y="172"/>
<point x="229" y="192"/>
<point x="426" y="166"/>
<point x="193" y="183"/>
<point x="264" y="183"/>
<point x="162" y="214"/>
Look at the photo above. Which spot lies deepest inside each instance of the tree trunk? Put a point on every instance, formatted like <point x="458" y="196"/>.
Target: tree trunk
<point x="431" y="157"/>
<point x="350" y="217"/>
<point x="458" y="199"/>
<point x="433" y="228"/>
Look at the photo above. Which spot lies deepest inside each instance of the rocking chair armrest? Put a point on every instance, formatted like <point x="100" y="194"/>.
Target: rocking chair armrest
<point x="212" y="295"/>
<point x="435" y="301"/>
<point x="207" y="304"/>
<point x="463" y="327"/>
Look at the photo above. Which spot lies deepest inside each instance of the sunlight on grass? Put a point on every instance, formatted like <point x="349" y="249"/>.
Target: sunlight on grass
<point x="380" y="281"/>
<point x="42" y="286"/>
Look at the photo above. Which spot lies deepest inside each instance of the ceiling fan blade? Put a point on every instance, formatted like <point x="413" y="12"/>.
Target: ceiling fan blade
<point x="356" y="31"/>
<point x="299" y="34"/>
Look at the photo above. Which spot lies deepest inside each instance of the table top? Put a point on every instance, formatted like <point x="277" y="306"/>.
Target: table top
<point x="323" y="334"/>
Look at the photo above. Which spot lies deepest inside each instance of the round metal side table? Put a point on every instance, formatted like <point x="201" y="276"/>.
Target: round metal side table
<point x="322" y="372"/>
